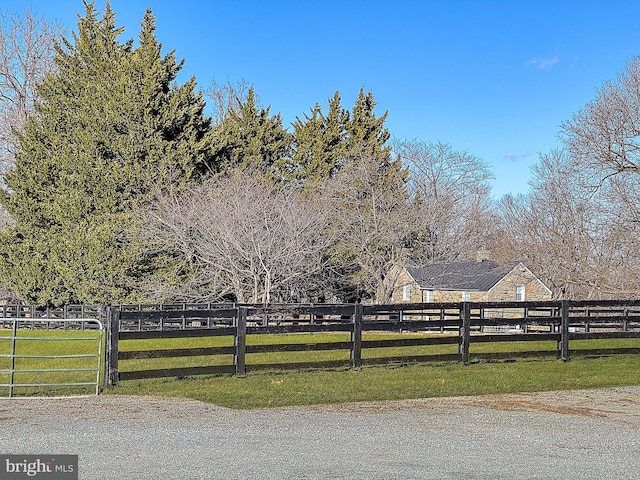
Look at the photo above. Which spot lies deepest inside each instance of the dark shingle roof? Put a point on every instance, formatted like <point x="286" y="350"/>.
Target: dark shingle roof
<point x="467" y="275"/>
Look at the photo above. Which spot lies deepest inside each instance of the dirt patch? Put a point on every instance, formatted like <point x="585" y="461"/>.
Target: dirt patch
<point x="531" y="406"/>
<point x="602" y="403"/>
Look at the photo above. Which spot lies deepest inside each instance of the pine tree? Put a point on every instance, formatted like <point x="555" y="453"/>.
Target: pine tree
<point x="111" y="131"/>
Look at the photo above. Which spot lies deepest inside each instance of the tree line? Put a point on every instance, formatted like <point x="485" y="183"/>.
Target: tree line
<point x="117" y="187"/>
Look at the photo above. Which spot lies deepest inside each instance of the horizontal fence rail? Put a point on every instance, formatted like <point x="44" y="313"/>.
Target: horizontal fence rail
<point x="152" y="340"/>
<point x="352" y="335"/>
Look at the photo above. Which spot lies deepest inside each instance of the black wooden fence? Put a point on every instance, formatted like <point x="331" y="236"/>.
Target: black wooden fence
<point x="33" y="317"/>
<point x="464" y="327"/>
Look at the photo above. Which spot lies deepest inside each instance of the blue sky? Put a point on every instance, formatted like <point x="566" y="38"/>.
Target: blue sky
<point x="494" y="78"/>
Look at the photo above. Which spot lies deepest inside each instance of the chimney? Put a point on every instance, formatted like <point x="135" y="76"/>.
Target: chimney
<point x="483" y="254"/>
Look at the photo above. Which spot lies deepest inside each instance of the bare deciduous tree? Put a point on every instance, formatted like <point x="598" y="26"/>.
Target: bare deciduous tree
<point x="238" y="237"/>
<point x="602" y="141"/>
<point x="604" y="134"/>
<point x="603" y="138"/>
<point x="374" y="223"/>
<point x="453" y="190"/>
<point x="572" y="238"/>
<point x="227" y="97"/>
<point x="26" y="54"/>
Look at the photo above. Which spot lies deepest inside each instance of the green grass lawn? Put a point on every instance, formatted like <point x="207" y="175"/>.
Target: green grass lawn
<point x="282" y="388"/>
<point x="394" y="382"/>
<point x="82" y="345"/>
<point x="275" y="389"/>
<point x="270" y="357"/>
<point x="285" y="357"/>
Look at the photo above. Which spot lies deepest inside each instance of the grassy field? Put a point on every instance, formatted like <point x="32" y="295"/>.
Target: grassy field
<point x="283" y="388"/>
<point x="395" y="382"/>
<point x="77" y="362"/>
<point x="275" y="389"/>
<point x="304" y="356"/>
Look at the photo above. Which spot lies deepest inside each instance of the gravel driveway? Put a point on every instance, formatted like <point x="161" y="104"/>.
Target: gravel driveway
<point x="589" y="434"/>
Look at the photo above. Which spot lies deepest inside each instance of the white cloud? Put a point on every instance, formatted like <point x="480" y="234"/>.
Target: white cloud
<point x="515" y="156"/>
<point x="543" y="63"/>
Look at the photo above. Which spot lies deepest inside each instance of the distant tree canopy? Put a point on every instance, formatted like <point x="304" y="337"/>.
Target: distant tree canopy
<point x="121" y="189"/>
<point x="111" y="130"/>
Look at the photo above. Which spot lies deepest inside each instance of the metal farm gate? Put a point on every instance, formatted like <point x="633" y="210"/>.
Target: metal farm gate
<point x="50" y="357"/>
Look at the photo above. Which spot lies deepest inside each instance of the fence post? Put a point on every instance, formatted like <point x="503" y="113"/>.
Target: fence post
<point x="564" y="330"/>
<point x="240" y="342"/>
<point x="12" y="366"/>
<point x="356" y="337"/>
<point x="113" y="334"/>
<point x="465" y="312"/>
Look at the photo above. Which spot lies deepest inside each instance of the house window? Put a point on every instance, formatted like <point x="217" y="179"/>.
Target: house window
<point x="466" y="296"/>
<point x="428" y="296"/>
<point x="406" y="293"/>
<point x="519" y="293"/>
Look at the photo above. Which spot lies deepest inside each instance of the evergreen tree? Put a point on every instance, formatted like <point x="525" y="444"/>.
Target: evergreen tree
<point x="250" y="137"/>
<point x="319" y="143"/>
<point x="324" y="144"/>
<point x="373" y="222"/>
<point x="366" y="133"/>
<point x="111" y="130"/>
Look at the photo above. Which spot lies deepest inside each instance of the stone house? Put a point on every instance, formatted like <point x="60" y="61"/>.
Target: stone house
<point x="470" y="281"/>
<point x="7" y="298"/>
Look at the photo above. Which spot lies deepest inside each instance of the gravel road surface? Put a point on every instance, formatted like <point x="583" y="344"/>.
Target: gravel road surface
<point x="589" y="434"/>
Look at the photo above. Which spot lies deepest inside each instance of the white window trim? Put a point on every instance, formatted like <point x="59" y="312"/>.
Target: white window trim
<point x="520" y="293"/>
<point x="429" y="296"/>
<point x="406" y="293"/>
